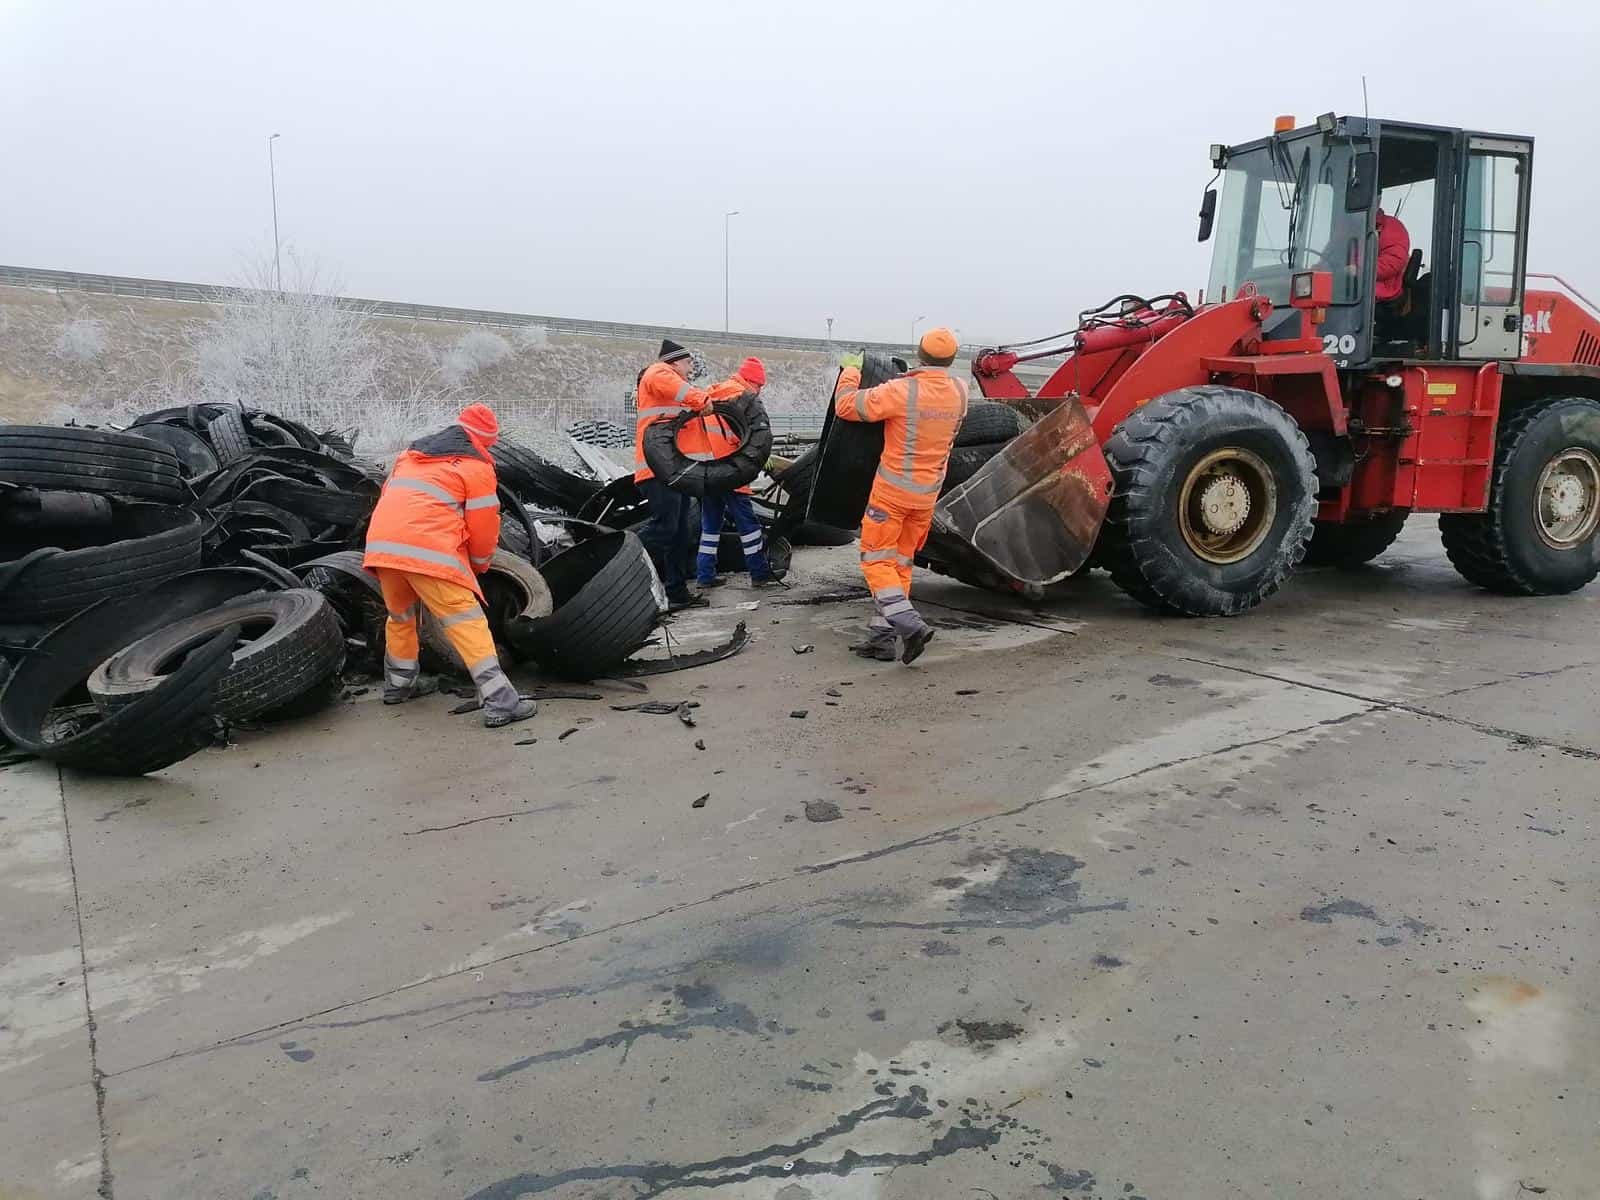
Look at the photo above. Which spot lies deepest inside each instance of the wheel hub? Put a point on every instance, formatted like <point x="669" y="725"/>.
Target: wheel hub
<point x="1568" y="498"/>
<point x="1227" y="506"/>
<point x="1224" y="504"/>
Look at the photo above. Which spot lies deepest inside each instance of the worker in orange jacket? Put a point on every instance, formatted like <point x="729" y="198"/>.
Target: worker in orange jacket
<point x="921" y="412"/>
<point x="432" y="534"/>
<point x="663" y="393"/>
<point x="720" y="441"/>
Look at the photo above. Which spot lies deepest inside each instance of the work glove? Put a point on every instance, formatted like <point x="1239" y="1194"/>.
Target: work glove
<point x="853" y="360"/>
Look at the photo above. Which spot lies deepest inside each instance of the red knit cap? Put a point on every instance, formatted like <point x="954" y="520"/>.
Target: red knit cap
<point x="479" y="420"/>
<point x="751" y="371"/>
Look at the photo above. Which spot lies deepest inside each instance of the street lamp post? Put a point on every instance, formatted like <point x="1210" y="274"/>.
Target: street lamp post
<point x="914" y="325"/>
<point x="830" y="333"/>
<point x="277" y="255"/>
<point x="726" y="217"/>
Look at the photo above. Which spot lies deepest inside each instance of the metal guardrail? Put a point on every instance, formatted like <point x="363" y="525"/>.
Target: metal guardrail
<point x="202" y="293"/>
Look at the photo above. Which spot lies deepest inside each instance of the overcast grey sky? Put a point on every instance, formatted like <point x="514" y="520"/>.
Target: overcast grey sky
<point x="994" y="166"/>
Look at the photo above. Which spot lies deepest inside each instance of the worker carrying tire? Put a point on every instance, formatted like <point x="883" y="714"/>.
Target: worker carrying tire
<point x="432" y="534"/>
<point x="711" y="437"/>
<point x="663" y="393"/>
<point x="921" y="412"/>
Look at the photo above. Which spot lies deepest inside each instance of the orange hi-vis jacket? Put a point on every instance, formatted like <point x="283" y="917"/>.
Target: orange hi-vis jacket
<point x="921" y="412"/>
<point x="438" y="514"/>
<point x="663" y="393"/>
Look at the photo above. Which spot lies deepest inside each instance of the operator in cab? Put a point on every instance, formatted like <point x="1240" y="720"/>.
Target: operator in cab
<point x="1394" y="251"/>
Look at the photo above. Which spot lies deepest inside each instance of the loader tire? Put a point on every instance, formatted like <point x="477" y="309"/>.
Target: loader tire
<point x="1215" y="491"/>
<point x="1540" y="535"/>
<point x="1351" y="544"/>
<point x="605" y="608"/>
<point x="990" y="421"/>
<point x="291" y="646"/>
<point x="70" y="459"/>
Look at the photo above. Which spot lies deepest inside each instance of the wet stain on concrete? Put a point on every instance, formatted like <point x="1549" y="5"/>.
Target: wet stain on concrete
<point x="938" y="949"/>
<point x="296" y="1053"/>
<point x="808" y="1085"/>
<point x="1107" y="962"/>
<point x="137" y="802"/>
<point x="780" y="1161"/>
<point x="822" y="810"/>
<point x="1033" y="888"/>
<point x="1325" y="913"/>
<point x="986" y="1033"/>
<point x="1068" y="1181"/>
<point x="706" y="1009"/>
<point x="1173" y="681"/>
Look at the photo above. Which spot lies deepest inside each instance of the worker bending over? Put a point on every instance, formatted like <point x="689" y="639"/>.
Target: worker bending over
<point x="663" y="393"/>
<point x="921" y="412"/>
<point x="719" y="442"/>
<point x="432" y="534"/>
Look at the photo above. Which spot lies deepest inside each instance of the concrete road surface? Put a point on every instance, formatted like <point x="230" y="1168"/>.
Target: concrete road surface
<point x="1085" y="904"/>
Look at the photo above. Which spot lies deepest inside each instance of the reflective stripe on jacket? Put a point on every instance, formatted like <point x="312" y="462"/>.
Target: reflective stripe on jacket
<point x="921" y="412"/>
<point x="663" y="393"/>
<point x="438" y="514"/>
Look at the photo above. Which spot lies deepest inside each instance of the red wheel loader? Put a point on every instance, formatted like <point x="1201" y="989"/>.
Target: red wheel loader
<point x="1200" y="451"/>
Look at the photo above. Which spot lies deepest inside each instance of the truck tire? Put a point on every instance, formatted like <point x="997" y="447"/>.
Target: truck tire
<point x="195" y="456"/>
<point x="967" y="461"/>
<point x="228" y="437"/>
<point x="749" y="421"/>
<point x="291" y="645"/>
<point x="1351" y="544"/>
<point x="90" y="460"/>
<point x="145" y="544"/>
<point x="605" y="607"/>
<point x="1215" y="491"/>
<point x="990" y="421"/>
<point x="1538" y="536"/>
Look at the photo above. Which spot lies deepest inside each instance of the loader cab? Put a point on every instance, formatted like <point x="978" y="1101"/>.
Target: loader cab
<point x="1308" y="200"/>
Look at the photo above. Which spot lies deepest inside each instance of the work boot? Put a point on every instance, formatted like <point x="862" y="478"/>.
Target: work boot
<point x="678" y="601"/>
<point x="496" y="718"/>
<point x="715" y="581"/>
<point x="915" y="634"/>
<point x="768" y="582"/>
<point x="878" y="644"/>
<point x="912" y="646"/>
<point x="422" y="685"/>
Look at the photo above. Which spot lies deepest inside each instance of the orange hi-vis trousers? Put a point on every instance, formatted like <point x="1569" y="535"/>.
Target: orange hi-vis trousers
<point x="891" y="534"/>
<point x="459" y="615"/>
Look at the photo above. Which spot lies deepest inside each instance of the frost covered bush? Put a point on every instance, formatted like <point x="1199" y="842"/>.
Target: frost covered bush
<point x="82" y="340"/>
<point x="474" y="351"/>
<point x="533" y="337"/>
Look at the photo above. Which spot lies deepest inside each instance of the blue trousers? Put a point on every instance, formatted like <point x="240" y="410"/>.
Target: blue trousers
<point x="737" y="505"/>
<point x="666" y="535"/>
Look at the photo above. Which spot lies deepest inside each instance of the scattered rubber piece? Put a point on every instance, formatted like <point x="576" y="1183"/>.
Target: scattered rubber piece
<point x="700" y="802"/>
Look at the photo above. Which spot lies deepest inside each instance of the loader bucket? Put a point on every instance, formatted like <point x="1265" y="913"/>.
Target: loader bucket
<point x="1033" y="512"/>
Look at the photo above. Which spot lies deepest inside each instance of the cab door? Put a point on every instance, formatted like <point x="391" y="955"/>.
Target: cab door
<point x="1492" y="219"/>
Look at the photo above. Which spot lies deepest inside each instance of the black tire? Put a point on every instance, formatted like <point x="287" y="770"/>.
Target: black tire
<point x="228" y="438"/>
<point x="965" y="462"/>
<point x="1152" y="455"/>
<point x="537" y="480"/>
<point x="1505" y="549"/>
<point x="314" y="503"/>
<point x="849" y="454"/>
<point x="90" y="460"/>
<point x="989" y="421"/>
<point x="749" y="420"/>
<point x="292" y="645"/>
<point x="1354" y="543"/>
<point x="61" y="573"/>
<point x="605" y="608"/>
<point x="195" y="456"/>
<point x="168" y="724"/>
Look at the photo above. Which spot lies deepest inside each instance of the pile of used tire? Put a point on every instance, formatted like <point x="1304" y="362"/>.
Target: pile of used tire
<point x="202" y="567"/>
